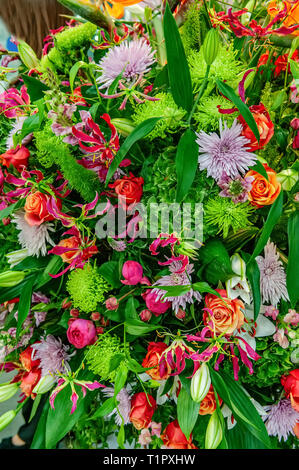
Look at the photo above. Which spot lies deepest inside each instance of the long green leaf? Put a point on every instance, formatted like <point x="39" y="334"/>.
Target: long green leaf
<point x="187" y="411"/>
<point x="293" y="259"/>
<point x="178" y="70"/>
<point x="186" y="163"/>
<point x="227" y="91"/>
<point x="272" y="219"/>
<point x="141" y="131"/>
<point x="253" y="274"/>
<point x="24" y="303"/>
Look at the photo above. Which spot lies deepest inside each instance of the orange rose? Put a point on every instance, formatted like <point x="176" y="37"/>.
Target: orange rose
<point x="208" y="404"/>
<point x="71" y="242"/>
<point x="226" y="315"/>
<point x="36" y="211"/>
<point x="128" y="189"/>
<point x="264" y="124"/>
<point x="154" y="353"/>
<point x="142" y="409"/>
<point x="173" y="437"/>
<point x="17" y="157"/>
<point x="263" y="192"/>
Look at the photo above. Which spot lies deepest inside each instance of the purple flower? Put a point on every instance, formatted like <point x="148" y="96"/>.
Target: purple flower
<point x="273" y="277"/>
<point x="281" y="419"/>
<point x="226" y="153"/>
<point x="177" y="279"/>
<point x="130" y="58"/>
<point x="237" y="189"/>
<point x="52" y="354"/>
<point x="124" y="405"/>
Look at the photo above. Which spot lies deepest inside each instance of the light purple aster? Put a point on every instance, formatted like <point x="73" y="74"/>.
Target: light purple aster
<point x="124" y="405"/>
<point x="281" y="419"/>
<point x="226" y="153"/>
<point x="133" y="58"/>
<point x="177" y="279"/>
<point x="272" y="276"/>
<point x="52" y="354"/>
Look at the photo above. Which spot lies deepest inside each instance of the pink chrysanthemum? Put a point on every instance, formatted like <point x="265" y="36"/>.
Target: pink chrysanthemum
<point x="281" y="419"/>
<point x="53" y="355"/>
<point x="224" y="154"/>
<point x="272" y="276"/>
<point x="132" y="59"/>
<point x="177" y="278"/>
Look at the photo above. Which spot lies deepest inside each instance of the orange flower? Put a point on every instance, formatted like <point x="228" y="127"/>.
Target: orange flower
<point x="36" y="211"/>
<point x="263" y="192"/>
<point x="292" y="15"/>
<point x="226" y="315"/>
<point x="117" y="10"/>
<point x="208" y="404"/>
<point x="71" y="243"/>
<point x="173" y="437"/>
<point x="17" y="157"/>
<point x="142" y="409"/>
<point x="154" y="353"/>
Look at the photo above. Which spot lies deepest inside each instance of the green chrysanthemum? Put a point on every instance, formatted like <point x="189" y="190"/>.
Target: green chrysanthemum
<point x="225" y="67"/>
<point x="100" y="354"/>
<point x="195" y="27"/>
<point x="86" y="288"/>
<point x="166" y="108"/>
<point x="226" y="215"/>
<point x="207" y="115"/>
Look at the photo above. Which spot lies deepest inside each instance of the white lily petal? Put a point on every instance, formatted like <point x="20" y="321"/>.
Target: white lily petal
<point x="265" y="327"/>
<point x="249" y="339"/>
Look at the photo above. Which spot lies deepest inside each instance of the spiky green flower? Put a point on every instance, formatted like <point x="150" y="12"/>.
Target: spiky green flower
<point x="195" y="27"/>
<point x="225" y="67"/>
<point x="166" y="108"/>
<point x="207" y="115"/>
<point x="86" y="288"/>
<point x="100" y="354"/>
<point x="226" y="215"/>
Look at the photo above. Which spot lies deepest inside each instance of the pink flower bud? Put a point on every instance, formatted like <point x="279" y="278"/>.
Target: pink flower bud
<point x="180" y="314"/>
<point x="132" y="272"/>
<point x="145" y="315"/>
<point x="100" y="330"/>
<point x="74" y="313"/>
<point x="112" y="303"/>
<point x="95" y="316"/>
<point x="66" y="303"/>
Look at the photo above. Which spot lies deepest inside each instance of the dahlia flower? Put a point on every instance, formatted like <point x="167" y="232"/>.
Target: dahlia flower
<point x="52" y="354"/>
<point x="281" y="419"/>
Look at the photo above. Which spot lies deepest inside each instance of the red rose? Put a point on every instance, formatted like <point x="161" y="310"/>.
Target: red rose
<point x="173" y="437"/>
<point x="17" y="157"/>
<point x="264" y="124"/>
<point x="152" y="359"/>
<point x="128" y="189"/>
<point x="142" y="409"/>
<point x="81" y="333"/>
<point x="290" y="384"/>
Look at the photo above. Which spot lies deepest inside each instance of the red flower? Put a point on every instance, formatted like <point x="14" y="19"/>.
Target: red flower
<point x="143" y="407"/>
<point x="152" y="359"/>
<point x="17" y="157"/>
<point x="128" y="189"/>
<point x="173" y="437"/>
<point x="264" y="124"/>
<point x="290" y="384"/>
<point x="26" y="359"/>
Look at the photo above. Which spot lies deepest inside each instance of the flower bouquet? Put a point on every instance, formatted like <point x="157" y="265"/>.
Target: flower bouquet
<point x="149" y="207"/>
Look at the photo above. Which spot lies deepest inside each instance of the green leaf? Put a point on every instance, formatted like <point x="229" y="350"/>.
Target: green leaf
<point x="241" y="406"/>
<point x="186" y="163"/>
<point x="139" y="328"/>
<point x="53" y="266"/>
<point x="8" y="210"/>
<point x="73" y="72"/>
<point x="36" y="402"/>
<point x="187" y="411"/>
<point x="138" y="133"/>
<point x="106" y="408"/>
<point x="272" y="219"/>
<point x="115" y="361"/>
<point x="110" y="272"/>
<point x="259" y="168"/>
<point x="178" y="70"/>
<point x="227" y="91"/>
<point x="204" y="287"/>
<point x="35" y="88"/>
<point x="239" y="438"/>
<point x="130" y="309"/>
<point x="253" y="275"/>
<point x="31" y="124"/>
<point x="216" y="261"/>
<point x="120" y="379"/>
<point x="25" y="303"/>
<point x="175" y="291"/>
<point x="293" y="259"/>
<point x="121" y="436"/>
<point x="38" y="441"/>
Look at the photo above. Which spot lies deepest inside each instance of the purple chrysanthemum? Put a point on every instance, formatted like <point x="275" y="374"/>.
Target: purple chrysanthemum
<point x="226" y="153"/>
<point x="281" y="419"/>
<point x="177" y="279"/>
<point x="133" y="58"/>
<point x="122" y="412"/>
<point x="237" y="189"/>
<point x="272" y="276"/>
<point x="52" y="354"/>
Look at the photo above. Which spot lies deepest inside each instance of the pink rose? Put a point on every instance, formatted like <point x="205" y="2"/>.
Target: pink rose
<point x="81" y="333"/>
<point x="156" y="306"/>
<point x="132" y="272"/>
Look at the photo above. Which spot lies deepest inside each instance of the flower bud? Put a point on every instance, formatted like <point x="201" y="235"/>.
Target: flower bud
<point x="66" y="304"/>
<point x="44" y="384"/>
<point x="211" y="46"/>
<point x="145" y="315"/>
<point x="287" y="178"/>
<point x="7" y="391"/>
<point x="11" y="278"/>
<point x="123" y="125"/>
<point x="74" y="312"/>
<point x="214" y="432"/>
<point x="112" y="303"/>
<point x="15" y="257"/>
<point x="95" y="316"/>
<point x="180" y="315"/>
<point x="7" y="418"/>
<point x="200" y="383"/>
<point x="100" y="330"/>
<point x="27" y="55"/>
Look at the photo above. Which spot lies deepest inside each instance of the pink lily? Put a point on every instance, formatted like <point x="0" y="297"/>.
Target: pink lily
<point x="164" y="239"/>
<point x="13" y="102"/>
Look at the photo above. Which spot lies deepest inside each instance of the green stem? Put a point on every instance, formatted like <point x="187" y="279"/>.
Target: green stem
<point x="201" y="92"/>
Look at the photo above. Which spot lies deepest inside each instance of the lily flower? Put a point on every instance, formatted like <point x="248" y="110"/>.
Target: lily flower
<point x="238" y="286"/>
<point x="164" y="239"/>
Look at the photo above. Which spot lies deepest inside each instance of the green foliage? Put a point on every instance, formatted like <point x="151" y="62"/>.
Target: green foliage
<point x="86" y="288"/>
<point x="226" y="215"/>
<point x="5" y="128"/>
<point x="166" y="108"/>
<point x="100" y="354"/>
<point x="207" y="115"/>
<point x="194" y="28"/>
